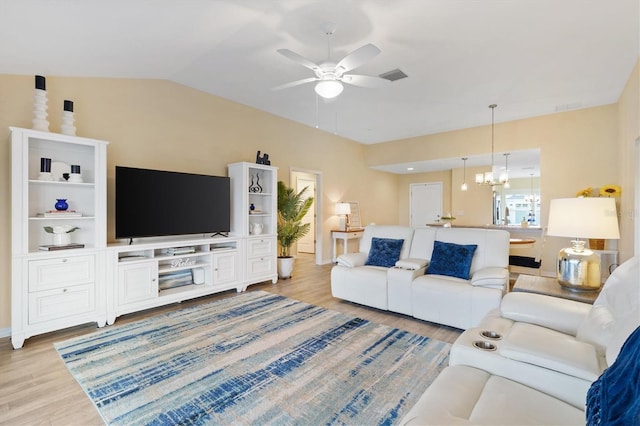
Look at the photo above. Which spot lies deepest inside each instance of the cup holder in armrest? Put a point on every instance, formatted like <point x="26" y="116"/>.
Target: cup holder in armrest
<point x="492" y="335"/>
<point x="487" y="346"/>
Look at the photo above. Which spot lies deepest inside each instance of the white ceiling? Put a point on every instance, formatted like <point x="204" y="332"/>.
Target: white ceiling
<point x="531" y="57"/>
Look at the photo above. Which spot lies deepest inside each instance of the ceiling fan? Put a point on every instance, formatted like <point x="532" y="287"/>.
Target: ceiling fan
<point x="330" y="75"/>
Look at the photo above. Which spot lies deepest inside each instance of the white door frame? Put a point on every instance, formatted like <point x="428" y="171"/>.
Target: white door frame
<point x="317" y="202"/>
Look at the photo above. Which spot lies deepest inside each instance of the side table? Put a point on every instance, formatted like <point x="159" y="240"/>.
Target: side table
<point x="550" y="287"/>
<point x="352" y="234"/>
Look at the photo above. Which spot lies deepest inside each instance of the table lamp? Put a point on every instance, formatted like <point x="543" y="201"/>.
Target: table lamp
<point x="343" y="210"/>
<point x="579" y="268"/>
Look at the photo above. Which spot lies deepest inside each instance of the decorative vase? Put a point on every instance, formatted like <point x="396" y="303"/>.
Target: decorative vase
<point x="61" y="239"/>
<point x="255" y="185"/>
<point x="67" y="127"/>
<point x="252" y="207"/>
<point x="61" y="204"/>
<point x="39" y="121"/>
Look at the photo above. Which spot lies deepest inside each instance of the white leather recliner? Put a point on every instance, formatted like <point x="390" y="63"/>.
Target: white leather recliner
<point x="541" y="368"/>
<point x="555" y="345"/>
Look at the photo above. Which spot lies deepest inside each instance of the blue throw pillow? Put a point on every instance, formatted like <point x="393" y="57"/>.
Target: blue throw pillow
<point x="452" y="260"/>
<point x="384" y="252"/>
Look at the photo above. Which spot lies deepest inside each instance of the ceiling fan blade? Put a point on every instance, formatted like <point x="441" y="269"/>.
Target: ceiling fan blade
<point x="299" y="59"/>
<point x="365" y="80"/>
<point x="295" y="83"/>
<point x="358" y="57"/>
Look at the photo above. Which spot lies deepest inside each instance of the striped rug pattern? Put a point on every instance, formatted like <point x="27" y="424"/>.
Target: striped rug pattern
<point x="255" y="358"/>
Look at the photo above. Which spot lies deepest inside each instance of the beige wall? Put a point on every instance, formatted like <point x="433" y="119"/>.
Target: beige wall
<point x="159" y="124"/>
<point x="582" y="148"/>
<point x="163" y="125"/>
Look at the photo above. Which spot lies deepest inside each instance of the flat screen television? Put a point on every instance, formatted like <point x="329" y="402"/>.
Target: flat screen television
<point x="152" y="203"/>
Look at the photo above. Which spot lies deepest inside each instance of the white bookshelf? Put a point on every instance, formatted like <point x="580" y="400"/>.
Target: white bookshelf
<point x="257" y="185"/>
<point x="55" y="289"/>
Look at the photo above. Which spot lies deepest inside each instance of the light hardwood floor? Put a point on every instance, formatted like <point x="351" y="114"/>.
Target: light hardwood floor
<point x="37" y="389"/>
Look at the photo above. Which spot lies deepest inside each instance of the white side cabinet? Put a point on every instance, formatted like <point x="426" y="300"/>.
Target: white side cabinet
<point x="254" y="217"/>
<point x="64" y="287"/>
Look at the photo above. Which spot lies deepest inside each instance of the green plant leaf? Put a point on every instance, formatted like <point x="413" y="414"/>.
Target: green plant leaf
<point x="292" y="207"/>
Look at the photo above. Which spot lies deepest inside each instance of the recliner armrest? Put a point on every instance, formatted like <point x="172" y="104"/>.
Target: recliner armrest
<point x="494" y="276"/>
<point x="412" y="264"/>
<point x="547" y="311"/>
<point x="352" y="260"/>
<point x="553" y="350"/>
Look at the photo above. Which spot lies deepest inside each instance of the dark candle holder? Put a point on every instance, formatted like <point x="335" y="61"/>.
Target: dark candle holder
<point x="45" y="165"/>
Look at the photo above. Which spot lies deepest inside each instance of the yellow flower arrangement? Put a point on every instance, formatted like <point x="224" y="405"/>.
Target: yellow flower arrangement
<point x="610" y="191"/>
<point x="584" y="192"/>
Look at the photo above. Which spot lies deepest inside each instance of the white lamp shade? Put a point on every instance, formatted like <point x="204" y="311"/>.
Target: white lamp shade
<point x="583" y="218"/>
<point x="343" y="208"/>
<point x="329" y="89"/>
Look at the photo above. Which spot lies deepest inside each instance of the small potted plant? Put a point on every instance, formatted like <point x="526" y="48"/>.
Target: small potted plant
<point x="292" y="207"/>
<point x="61" y="234"/>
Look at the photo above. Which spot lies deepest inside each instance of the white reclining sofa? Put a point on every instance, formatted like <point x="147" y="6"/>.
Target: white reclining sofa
<point x="454" y="291"/>
<point x="542" y="362"/>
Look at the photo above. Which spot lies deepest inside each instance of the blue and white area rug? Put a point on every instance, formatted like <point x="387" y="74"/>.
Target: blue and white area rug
<point x="256" y="358"/>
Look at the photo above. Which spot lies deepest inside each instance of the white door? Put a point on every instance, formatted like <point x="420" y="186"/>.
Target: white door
<point x="307" y="244"/>
<point x="425" y="201"/>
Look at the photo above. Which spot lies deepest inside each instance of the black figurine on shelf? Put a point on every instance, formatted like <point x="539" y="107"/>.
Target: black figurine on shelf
<point x="263" y="160"/>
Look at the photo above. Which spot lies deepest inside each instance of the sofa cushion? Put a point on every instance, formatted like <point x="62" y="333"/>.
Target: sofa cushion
<point x="384" y="252"/>
<point x="452" y="260"/>
<point x="464" y="395"/>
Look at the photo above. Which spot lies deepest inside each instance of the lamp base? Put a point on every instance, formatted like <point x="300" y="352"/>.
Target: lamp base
<point x="579" y="269"/>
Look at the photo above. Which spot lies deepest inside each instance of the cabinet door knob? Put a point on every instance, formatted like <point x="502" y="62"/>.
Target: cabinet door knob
<point x="64" y="290"/>
<point x="64" y="260"/>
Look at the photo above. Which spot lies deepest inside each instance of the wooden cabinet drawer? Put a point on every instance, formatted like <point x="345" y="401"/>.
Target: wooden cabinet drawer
<point x="61" y="272"/>
<point x="63" y="302"/>
<point x="259" y="266"/>
<point x="261" y="247"/>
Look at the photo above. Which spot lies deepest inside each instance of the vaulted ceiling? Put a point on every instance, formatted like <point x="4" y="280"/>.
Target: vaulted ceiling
<point x="532" y="57"/>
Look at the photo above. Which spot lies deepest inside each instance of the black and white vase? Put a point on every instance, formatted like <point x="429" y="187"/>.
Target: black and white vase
<point x="67" y="119"/>
<point x="39" y="121"/>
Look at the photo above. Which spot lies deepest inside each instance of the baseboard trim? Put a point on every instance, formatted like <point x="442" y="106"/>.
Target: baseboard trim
<point x="5" y="332"/>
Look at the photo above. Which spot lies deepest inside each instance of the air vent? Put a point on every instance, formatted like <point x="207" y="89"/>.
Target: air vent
<point x="393" y="75"/>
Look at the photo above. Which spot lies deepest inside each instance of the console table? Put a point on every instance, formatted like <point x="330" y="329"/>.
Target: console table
<point x="345" y="236"/>
<point x="550" y="287"/>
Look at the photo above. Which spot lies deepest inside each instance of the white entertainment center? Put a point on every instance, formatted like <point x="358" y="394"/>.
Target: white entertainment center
<point x="146" y="275"/>
<point x="60" y="287"/>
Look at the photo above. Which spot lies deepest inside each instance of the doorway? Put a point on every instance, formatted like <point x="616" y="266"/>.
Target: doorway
<point x="310" y="179"/>
<point x="425" y="200"/>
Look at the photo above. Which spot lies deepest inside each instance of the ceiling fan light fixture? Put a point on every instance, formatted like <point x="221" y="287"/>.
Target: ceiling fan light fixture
<point x="329" y="89"/>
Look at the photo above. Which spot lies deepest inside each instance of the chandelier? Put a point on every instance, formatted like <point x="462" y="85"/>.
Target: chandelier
<point x="486" y="178"/>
